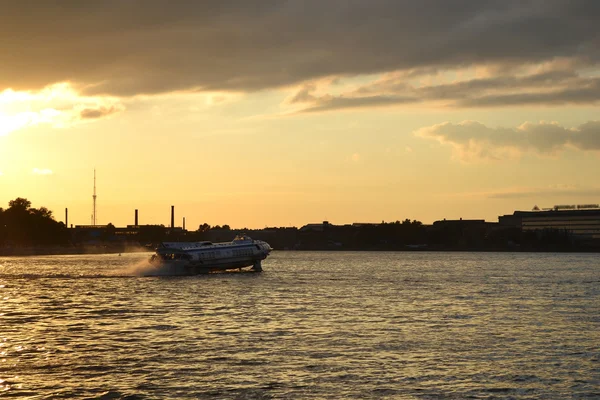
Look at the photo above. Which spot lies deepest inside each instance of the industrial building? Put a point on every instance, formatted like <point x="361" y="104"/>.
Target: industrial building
<point x="580" y="221"/>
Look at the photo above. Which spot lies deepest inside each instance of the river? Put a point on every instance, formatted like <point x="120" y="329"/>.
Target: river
<point x="313" y="325"/>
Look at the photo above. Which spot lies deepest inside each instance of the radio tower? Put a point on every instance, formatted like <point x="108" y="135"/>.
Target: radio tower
<point x="94" y="197"/>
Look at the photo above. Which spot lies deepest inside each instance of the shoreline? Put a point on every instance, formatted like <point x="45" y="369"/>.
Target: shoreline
<point x="65" y="251"/>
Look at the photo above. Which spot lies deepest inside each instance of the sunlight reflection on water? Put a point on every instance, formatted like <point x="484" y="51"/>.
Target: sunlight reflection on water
<point x="313" y="325"/>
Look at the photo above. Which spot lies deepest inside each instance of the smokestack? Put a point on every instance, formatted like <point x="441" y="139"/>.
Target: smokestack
<point x="172" y="217"/>
<point x="136" y="217"/>
<point x="184" y="223"/>
<point x="67" y="217"/>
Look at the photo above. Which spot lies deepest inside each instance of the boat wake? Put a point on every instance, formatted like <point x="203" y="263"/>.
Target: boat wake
<point x="146" y="268"/>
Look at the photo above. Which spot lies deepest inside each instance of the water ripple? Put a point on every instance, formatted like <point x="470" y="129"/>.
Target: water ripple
<point x="313" y="325"/>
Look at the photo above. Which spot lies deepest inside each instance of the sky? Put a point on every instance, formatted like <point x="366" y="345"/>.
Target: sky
<point x="282" y="113"/>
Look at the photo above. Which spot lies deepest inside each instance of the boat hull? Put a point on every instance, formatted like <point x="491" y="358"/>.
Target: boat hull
<point x="181" y="267"/>
<point x="204" y="257"/>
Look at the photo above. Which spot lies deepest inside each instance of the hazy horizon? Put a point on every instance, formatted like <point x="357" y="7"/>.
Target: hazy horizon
<point x="257" y="114"/>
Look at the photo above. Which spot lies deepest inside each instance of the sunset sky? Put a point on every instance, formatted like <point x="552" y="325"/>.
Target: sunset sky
<point x="282" y="113"/>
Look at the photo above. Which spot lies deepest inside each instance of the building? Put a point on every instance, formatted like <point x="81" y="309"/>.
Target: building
<point x="471" y="233"/>
<point x="316" y="227"/>
<point x="581" y="221"/>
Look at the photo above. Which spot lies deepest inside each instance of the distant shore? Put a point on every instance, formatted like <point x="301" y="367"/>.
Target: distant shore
<point x="68" y="250"/>
<point x="75" y="250"/>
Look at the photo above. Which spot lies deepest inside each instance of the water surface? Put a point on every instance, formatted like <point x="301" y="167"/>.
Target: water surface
<point x="312" y="325"/>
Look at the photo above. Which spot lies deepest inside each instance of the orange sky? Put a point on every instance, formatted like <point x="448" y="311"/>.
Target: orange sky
<point x="281" y="114"/>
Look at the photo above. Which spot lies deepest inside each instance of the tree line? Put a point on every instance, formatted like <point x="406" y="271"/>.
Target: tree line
<point x="21" y="224"/>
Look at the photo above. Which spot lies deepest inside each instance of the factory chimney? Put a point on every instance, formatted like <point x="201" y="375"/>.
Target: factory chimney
<point x="94" y="221"/>
<point x="67" y="217"/>
<point x="136" y="217"/>
<point x="184" y="223"/>
<point x="172" y="217"/>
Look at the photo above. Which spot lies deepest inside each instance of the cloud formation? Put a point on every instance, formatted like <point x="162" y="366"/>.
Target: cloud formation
<point x="57" y="105"/>
<point x="555" y="83"/>
<point x="473" y="141"/>
<point x="101" y="111"/>
<point x="124" y="48"/>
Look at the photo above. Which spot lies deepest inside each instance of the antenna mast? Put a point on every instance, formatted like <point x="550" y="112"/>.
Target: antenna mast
<point x="94" y="197"/>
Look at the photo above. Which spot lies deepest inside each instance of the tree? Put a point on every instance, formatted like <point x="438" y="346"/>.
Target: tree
<point x="22" y="225"/>
<point x="204" y="227"/>
<point x="19" y="204"/>
<point x="42" y="212"/>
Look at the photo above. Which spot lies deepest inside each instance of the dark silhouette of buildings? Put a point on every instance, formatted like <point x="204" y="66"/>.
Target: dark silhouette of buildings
<point x="580" y="221"/>
<point x="562" y="228"/>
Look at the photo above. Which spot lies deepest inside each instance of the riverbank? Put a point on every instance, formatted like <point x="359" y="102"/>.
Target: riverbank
<point x="68" y="250"/>
<point x="72" y="250"/>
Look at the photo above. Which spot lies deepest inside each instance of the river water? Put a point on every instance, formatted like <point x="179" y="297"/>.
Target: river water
<point x="313" y="325"/>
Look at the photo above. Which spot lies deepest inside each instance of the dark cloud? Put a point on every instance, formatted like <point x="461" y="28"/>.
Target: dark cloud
<point x="130" y="47"/>
<point x="549" y="87"/>
<point x="583" y="91"/>
<point x="587" y="136"/>
<point x="473" y="140"/>
<point x="304" y="95"/>
<point x="330" y="103"/>
<point x="94" y="113"/>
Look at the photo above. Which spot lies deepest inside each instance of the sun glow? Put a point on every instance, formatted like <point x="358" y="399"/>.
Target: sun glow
<point x="59" y="105"/>
<point x="11" y="123"/>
